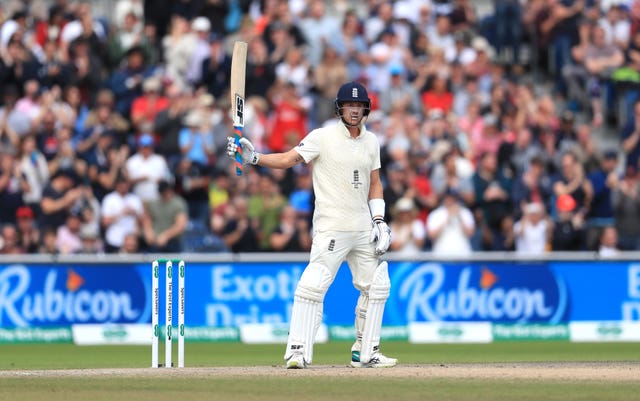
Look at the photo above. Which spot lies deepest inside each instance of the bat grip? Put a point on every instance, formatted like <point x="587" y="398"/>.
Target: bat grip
<point x="237" y="135"/>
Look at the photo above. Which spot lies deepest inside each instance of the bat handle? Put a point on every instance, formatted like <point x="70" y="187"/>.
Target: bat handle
<point x="238" y="135"/>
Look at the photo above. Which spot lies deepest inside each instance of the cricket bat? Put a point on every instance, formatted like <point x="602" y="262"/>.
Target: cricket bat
<point x="238" y="71"/>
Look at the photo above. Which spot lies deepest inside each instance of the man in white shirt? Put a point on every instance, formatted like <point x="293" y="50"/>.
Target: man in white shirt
<point x="348" y="223"/>
<point x="145" y="169"/>
<point x="450" y="226"/>
<point x="121" y="213"/>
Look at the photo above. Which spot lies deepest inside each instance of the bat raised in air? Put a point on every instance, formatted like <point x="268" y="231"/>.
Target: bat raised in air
<point x="238" y="70"/>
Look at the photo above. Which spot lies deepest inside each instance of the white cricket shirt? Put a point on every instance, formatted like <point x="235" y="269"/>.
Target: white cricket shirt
<point x="342" y="169"/>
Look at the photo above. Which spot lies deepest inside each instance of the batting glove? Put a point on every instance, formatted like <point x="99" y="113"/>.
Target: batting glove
<point x="249" y="154"/>
<point x="381" y="235"/>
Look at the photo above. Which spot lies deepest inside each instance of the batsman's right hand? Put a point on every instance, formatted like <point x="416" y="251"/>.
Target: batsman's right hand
<point x="249" y="154"/>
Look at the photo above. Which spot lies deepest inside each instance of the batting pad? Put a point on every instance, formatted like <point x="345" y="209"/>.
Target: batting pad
<point x="306" y="317"/>
<point x="378" y="294"/>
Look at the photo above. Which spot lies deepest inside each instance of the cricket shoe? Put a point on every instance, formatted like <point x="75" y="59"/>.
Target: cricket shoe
<point x="378" y="360"/>
<point x="296" y="361"/>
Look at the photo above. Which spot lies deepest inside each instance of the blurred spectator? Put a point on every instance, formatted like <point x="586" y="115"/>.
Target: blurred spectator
<point x="352" y="45"/>
<point x="319" y="30"/>
<point x="48" y="245"/>
<point x="409" y="233"/>
<point x="28" y="231"/>
<point x="265" y="206"/>
<point x="240" y="233"/>
<point x="91" y="243"/>
<point x="17" y="63"/>
<point x="289" y="122"/>
<point x="328" y="75"/>
<point x="448" y="175"/>
<point x="214" y="70"/>
<point x="631" y="137"/>
<point x="533" y="185"/>
<point x="603" y="181"/>
<point x="105" y="162"/>
<point x="492" y="191"/>
<point x="508" y="29"/>
<point x="68" y="235"/>
<point x="131" y="244"/>
<point x="146" y="107"/>
<point x="9" y="240"/>
<point x="34" y="169"/>
<point x="86" y="68"/>
<point x="598" y="60"/>
<point x="12" y="186"/>
<point x="178" y="47"/>
<point x="192" y="184"/>
<point x="569" y="229"/>
<point x="261" y="72"/>
<point x="29" y="103"/>
<point x="608" y="244"/>
<point x="625" y="199"/>
<point x="128" y="28"/>
<point x="572" y="181"/>
<point x="12" y="123"/>
<point x="293" y="232"/>
<point x="559" y="29"/>
<point x="145" y="169"/>
<point x="121" y="214"/>
<point x="301" y="196"/>
<point x="101" y="121"/>
<point x="195" y="141"/>
<point x="168" y="123"/>
<point x="165" y="220"/>
<point x="533" y="231"/>
<point x="437" y="95"/>
<point x="59" y="197"/>
<point x="450" y="226"/>
<point x="126" y="81"/>
<point x="401" y="94"/>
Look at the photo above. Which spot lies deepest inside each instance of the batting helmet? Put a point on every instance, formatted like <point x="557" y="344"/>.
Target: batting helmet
<point x="353" y="92"/>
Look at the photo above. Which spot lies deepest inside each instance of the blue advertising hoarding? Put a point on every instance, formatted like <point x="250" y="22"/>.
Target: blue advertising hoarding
<point x="230" y="294"/>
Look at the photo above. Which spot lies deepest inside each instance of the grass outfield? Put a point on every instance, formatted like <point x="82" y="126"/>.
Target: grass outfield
<point x="31" y="372"/>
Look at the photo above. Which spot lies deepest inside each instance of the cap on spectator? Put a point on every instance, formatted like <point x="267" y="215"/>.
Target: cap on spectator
<point x="481" y="44"/>
<point x="610" y="155"/>
<point x="451" y="192"/>
<point x="206" y="100"/>
<point x="201" y="24"/>
<point x="567" y="116"/>
<point x="145" y="140"/>
<point x="88" y="232"/>
<point x="278" y="25"/>
<point x="565" y="203"/>
<point x="533" y="207"/>
<point x="396" y="69"/>
<point x="375" y="116"/>
<point x="301" y="201"/>
<point x="192" y="119"/>
<point x="490" y="119"/>
<point x="105" y="97"/>
<point x="24" y="212"/>
<point x="152" y="84"/>
<point x="66" y="173"/>
<point x="215" y="37"/>
<point x="395" y="166"/>
<point x="404" y="205"/>
<point x="137" y="49"/>
<point x="164" y="185"/>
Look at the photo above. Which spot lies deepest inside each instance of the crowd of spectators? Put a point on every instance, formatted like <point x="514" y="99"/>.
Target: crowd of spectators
<point x="113" y="127"/>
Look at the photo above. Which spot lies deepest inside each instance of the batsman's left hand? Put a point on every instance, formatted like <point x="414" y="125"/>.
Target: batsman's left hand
<point x="249" y="154"/>
<point x="381" y="235"/>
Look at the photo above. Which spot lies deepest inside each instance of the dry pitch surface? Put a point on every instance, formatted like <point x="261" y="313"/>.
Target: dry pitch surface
<point x="559" y="371"/>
